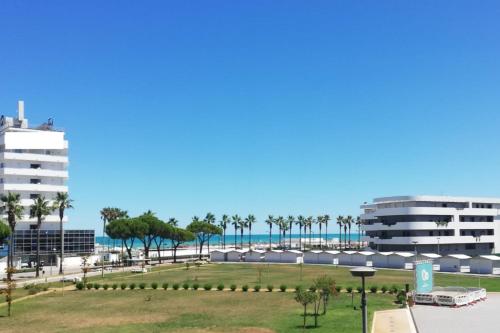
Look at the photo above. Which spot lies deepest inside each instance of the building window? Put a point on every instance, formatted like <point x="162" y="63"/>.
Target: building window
<point x="35" y="181"/>
<point x="34" y="196"/>
<point x="470" y="246"/>
<point x="35" y="166"/>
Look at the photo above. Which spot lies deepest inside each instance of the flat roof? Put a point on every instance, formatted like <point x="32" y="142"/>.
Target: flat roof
<point x="430" y="255"/>
<point x="438" y="198"/>
<point x="490" y="257"/>
<point x="458" y="256"/>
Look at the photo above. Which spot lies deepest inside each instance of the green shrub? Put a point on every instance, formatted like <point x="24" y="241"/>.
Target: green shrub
<point x="154" y="285"/>
<point x="384" y="289"/>
<point x="270" y="287"/>
<point x="207" y="287"/>
<point x="349" y="289"/>
<point x="132" y="286"/>
<point x="338" y="288"/>
<point x="97" y="286"/>
<point x="373" y="289"/>
<point x="114" y="286"/>
<point x="283" y="288"/>
<point x="175" y="286"/>
<point x="142" y="285"/>
<point x="105" y="286"/>
<point x="123" y="286"/>
<point x="393" y="289"/>
<point x="233" y="287"/>
<point x="185" y="286"/>
<point x="89" y="286"/>
<point x="359" y="289"/>
<point x="220" y="287"/>
<point x="164" y="286"/>
<point x="245" y="287"/>
<point x="196" y="286"/>
<point x="312" y="288"/>
<point x="80" y="286"/>
<point x="256" y="288"/>
<point x="298" y="288"/>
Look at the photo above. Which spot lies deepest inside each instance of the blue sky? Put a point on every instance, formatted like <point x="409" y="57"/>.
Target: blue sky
<point x="264" y="107"/>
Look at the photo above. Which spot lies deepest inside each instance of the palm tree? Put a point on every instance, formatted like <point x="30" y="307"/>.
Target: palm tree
<point x="319" y="221"/>
<point x="249" y="221"/>
<point x="340" y="222"/>
<point x="310" y="221"/>
<point x="326" y="218"/>
<point x="347" y="226"/>
<point x="209" y="218"/>
<point x="300" y="223"/>
<point x="223" y="224"/>
<point x="284" y="229"/>
<point x="279" y="222"/>
<point x="359" y="222"/>
<point x="236" y="222"/>
<point x="61" y="203"/>
<point x="173" y="222"/>
<point x="270" y="222"/>
<point x="11" y="204"/>
<point x="290" y="220"/>
<point x="39" y="209"/>
<point x="242" y="226"/>
<point x="195" y="219"/>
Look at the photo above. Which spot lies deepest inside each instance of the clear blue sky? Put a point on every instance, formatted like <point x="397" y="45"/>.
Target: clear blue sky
<point x="281" y="107"/>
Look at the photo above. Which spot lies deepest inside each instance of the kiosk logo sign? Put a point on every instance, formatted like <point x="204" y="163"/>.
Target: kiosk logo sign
<point x="424" y="277"/>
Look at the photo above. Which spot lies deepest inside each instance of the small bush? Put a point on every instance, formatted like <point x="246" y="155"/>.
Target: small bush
<point x="283" y="288"/>
<point x="89" y="286"/>
<point x="393" y="289"/>
<point x="220" y="287"/>
<point x="175" y="286"/>
<point x="312" y="288"/>
<point x="270" y="287"/>
<point x="80" y="286"/>
<point x="373" y="289"/>
<point x="349" y="289"/>
<point x="164" y="286"/>
<point x="207" y="287"/>
<point x="384" y="289"/>
<point x="97" y="286"/>
<point x="132" y="286"/>
<point x="298" y="288"/>
<point x="142" y="285"/>
<point x="256" y="288"/>
<point x="359" y="289"/>
<point x="185" y="286"/>
<point x="233" y="287"/>
<point x="338" y="288"/>
<point x="245" y="287"/>
<point x="123" y="286"/>
<point x="196" y="286"/>
<point x="105" y="286"/>
<point x="154" y="285"/>
<point x="114" y="286"/>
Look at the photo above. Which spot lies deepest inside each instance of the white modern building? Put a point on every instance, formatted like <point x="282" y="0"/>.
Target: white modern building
<point x="34" y="163"/>
<point x="437" y="224"/>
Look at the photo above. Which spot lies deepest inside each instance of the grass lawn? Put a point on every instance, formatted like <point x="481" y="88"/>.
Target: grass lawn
<point x="180" y="311"/>
<point x="190" y="311"/>
<point x="289" y="275"/>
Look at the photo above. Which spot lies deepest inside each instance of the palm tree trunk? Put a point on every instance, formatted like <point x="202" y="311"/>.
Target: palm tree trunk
<point x="326" y="235"/>
<point x="224" y="239"/>
<point x="359" y="237"/>
<point x="290" y="235"/>
<point x="270" y="236"/>
<point x="340" y="237"/>
<point x="241" y="237"/>
<point x="235" y="236"/>
<point x="62" y="245"/>
<point x="320" y="236"/>
<point x="300" y="237"/>
<point x="250" y="236"/>
<point x="310" y="236"/>
<point x="349" y="236"/>
<point x="38" y="250"/>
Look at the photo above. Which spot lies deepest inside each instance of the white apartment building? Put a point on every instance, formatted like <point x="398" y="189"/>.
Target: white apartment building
<point x="33" y="162"/>
<point x="439" y="224"/>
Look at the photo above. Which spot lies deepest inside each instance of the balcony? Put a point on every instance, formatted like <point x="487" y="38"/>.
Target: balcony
<point x="33" y="187"/>
<point x="33" y="172"/>
<point x="421" y="240"/>
<point x="33" y="157"/>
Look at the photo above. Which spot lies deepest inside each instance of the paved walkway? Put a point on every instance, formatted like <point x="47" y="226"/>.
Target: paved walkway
<point x="481" y="317"/>
<point x="393" y="321"/>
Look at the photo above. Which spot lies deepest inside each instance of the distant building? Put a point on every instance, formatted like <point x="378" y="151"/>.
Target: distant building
<point x="448" y="225"/>
<point x="33" y="163"/>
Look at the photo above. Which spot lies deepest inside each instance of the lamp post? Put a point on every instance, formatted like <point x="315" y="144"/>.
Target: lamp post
<point x="363" y="272"/>
<point x="478" y="239"/>
<point x="438" y="243"/>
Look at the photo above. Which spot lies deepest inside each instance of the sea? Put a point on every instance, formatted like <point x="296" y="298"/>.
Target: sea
<point x="256" y="239"/>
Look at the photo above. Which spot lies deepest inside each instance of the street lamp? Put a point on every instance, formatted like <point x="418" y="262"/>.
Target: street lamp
<point x="363" y="272"/>
<point x="438" y="243"/>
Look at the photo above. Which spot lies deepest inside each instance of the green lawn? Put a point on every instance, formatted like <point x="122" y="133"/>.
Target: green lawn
<point x="190" y="311"/>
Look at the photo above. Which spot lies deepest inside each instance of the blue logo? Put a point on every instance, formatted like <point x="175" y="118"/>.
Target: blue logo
<point x="423" y="274"/>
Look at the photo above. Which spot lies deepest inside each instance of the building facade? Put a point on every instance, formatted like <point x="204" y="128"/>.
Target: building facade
<point x="34" y="163"/>
<point x="438" y="224"/>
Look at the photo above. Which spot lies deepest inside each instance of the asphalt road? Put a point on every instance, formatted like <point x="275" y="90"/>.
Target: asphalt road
<point x="478" y="318"/>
